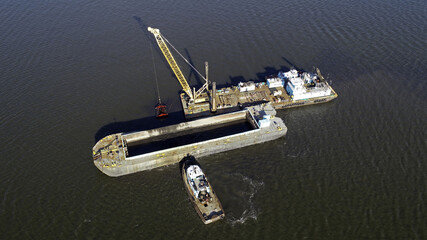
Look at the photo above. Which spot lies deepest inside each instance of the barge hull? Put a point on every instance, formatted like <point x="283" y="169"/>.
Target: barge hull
<point x="110" y="153"/>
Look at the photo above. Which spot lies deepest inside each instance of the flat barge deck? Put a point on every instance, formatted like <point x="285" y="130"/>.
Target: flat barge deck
<point x="111" y="154"/>
<point x="233" y="98"/>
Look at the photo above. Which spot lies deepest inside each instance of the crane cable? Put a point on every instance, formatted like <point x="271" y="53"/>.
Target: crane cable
<point x="189" y="64"/>
<point x="155" y="73"/>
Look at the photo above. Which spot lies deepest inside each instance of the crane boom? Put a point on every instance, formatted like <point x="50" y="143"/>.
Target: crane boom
<point x="168" y="55"/>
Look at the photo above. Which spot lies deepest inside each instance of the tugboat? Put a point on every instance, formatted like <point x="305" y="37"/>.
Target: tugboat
<point x="200" y="191"/>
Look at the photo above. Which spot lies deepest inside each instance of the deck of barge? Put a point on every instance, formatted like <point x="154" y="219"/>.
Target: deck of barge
<point x="188" y="137"/>
<point x="230" y="99"/>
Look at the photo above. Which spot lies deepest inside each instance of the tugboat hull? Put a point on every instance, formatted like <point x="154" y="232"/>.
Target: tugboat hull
<point x="200" y="191"/>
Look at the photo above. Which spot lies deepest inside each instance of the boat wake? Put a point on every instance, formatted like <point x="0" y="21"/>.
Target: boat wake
<point x="250" y="211"/>
<point x="294" y="153"/>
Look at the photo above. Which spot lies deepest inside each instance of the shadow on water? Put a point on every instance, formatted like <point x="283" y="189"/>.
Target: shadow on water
<point x="153" y="43"/>
<point x="181" y="163"/>
<point x="139" y="124"/>
<point x="268" y="71"/>
<point x="291" y="64"/>
<point x="199" y="82"/>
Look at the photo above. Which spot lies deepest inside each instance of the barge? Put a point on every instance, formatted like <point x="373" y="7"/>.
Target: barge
<point x="284" y="90"/>
<point x="126" y="153"/>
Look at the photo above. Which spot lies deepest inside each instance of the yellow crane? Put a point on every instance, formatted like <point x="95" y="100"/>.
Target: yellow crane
<point x="161" y="41"/>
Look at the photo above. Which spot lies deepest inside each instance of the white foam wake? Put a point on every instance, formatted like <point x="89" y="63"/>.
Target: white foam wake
<point x="250" y="212"/>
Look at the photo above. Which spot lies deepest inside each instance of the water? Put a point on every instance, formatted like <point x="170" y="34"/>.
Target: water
<point x="354" y="168"/>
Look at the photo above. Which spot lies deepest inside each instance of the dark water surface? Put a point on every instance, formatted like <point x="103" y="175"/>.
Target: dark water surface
<point x="354" y="168"/>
